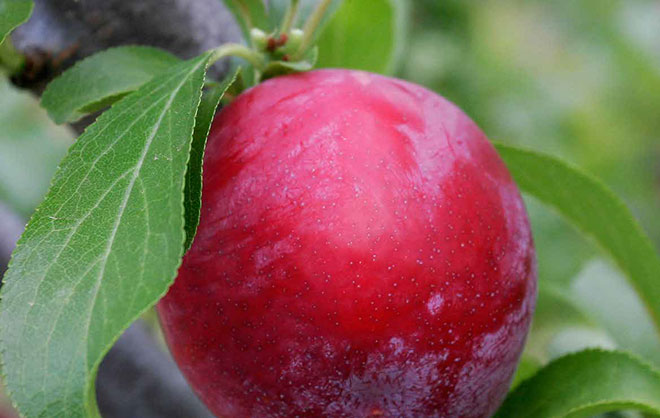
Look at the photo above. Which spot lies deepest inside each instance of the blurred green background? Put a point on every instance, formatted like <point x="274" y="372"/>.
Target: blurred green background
<point x="578" y="79"/>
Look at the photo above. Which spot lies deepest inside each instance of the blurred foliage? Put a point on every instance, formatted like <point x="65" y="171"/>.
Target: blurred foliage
<point x="31" y="146"/>
<point x="577" y="79"/>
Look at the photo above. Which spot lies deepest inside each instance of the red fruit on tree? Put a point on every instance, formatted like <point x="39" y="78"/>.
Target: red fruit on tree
<point x="362" y="251"/>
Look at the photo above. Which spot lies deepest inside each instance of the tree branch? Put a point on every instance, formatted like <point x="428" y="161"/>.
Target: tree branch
<point x="11" y="226"/>
<point x="61" y="32"/>
<point x="138" y="379"/>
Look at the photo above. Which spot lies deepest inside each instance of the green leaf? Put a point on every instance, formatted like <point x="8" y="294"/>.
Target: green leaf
<point x="527" y="367"/>
<point x="11" y="61"/>
<point x="98" y="81"/>
<point x="192" y="192"/>
<point x="585" y="384"/>
<point x="594" y="209"/>
<point x="31" y="146"/>
<point x="277" y="10"/>
<point x="343" y="42"/>
<point x="249" y="14"/>
<point x="102" y="248"/>
<point x="12" y="14"/>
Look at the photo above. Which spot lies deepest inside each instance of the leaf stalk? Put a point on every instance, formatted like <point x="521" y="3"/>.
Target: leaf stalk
<point x="310" y="27"/>
<point x="290" y="16"/>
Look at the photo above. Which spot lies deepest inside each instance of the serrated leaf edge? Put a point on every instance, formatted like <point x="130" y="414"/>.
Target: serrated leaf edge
<point x="104" y="351"/>
<point x="19" y="23"/>
<point x="89" y="390"/>
<point x="625" y="353"/>
<point x="77" y="114"/>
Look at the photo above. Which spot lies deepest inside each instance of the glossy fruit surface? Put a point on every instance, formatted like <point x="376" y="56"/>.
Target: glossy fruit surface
<point x="362" y="251"/>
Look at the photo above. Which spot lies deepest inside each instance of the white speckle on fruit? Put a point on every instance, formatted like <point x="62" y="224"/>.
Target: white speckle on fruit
<point x="435" y="304"/>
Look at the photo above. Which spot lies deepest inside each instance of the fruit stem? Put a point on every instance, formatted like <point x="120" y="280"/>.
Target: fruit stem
<point x="310" y="27"/>
<point x="245" y="14"/>
<point x="241" y="51"/>
<point x="290" y="16"/>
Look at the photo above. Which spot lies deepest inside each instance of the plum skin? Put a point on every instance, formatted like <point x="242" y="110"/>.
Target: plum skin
<point x="362" y="251"/>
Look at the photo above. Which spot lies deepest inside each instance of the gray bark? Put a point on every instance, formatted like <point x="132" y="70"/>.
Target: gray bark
<point x="61" y="32"/>
<point x="11" y="226"/>
<point x="137" y="378"/>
